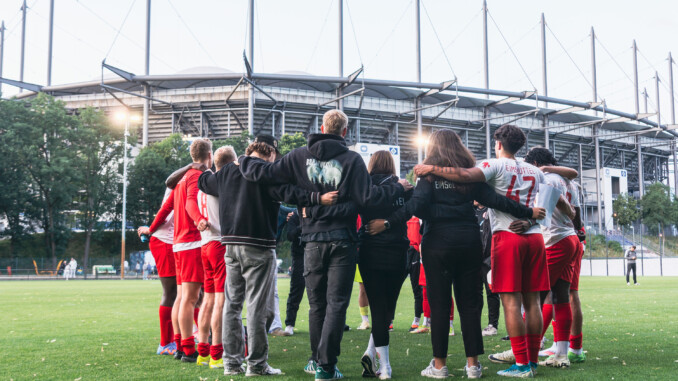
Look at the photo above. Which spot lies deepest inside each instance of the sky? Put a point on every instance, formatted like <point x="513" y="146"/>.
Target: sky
<point x="302" y="36"/>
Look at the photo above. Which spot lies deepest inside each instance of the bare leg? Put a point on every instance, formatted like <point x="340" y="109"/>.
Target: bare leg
<point x="189" y="296"/>
<point x="216" y="317"/>
<point x="205" y="316"/>
<point x="577" y="316"/>
<point x="511" y="301"/>
<point x="362" y="297"/>
<point x="175" y="311"/>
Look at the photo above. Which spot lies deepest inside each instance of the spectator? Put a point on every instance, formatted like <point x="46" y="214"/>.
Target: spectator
<point x="631" y="265"/>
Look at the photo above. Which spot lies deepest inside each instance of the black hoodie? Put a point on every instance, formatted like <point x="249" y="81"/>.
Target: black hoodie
<point x="248" y="212"/>
<point x="325" y="165"/>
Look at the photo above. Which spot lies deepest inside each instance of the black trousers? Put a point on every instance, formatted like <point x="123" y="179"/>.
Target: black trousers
<point x="493" y="302"/>
<point x="629" y="267"/>
<point x="297" y="286"/>
<point x="416" y="288"/>
<point x="458" y="265"/>
<point x="382" y="288"/>
<point x="329" y="269"/>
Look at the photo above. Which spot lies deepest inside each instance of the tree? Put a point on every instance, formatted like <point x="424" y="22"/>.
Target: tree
<point x="46" y="150"/>
<point x="657" y="207"/>
<point x="238" y="142"/>
<point x="100" y="150"/>
<point x="626" y="209"/>
<point x="289" y="142"/>
<point x="15" y="191"/>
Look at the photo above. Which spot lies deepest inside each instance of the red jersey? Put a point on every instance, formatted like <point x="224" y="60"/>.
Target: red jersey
<point x="413" y="232"/>
<point x="184" y="201"/>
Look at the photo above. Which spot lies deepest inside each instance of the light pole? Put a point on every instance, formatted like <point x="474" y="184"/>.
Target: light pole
<point x="126" y="117"/>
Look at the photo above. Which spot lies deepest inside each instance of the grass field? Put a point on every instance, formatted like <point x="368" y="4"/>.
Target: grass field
<point x="108" y="330"/>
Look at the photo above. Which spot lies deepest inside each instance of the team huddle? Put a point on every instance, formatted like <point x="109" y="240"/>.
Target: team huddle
<point x="215" y="235"/>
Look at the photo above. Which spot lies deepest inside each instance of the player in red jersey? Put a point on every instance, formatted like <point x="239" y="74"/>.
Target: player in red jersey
<point x="562" y="249"/>
<point x="160" y="244"/>
<point x="187" y="242"/>
<point x="519" y="271"/>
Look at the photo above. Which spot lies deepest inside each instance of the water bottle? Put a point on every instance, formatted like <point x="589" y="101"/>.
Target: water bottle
<point x="144" y="238"/>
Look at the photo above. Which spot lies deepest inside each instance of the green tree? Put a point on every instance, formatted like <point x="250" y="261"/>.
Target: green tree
<point x="657" y="207"/>
<point x="100" y="149"/>
<point x="16" y="192"/>
<point x="289" y="142"/>
<point x="626" y="209"/>
<point x="238" y="142"/>
<point x="46" y="149"/>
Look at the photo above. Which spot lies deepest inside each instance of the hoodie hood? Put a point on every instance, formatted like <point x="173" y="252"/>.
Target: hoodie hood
<point x="326" y="146"/>
<point x="380" y="178"/>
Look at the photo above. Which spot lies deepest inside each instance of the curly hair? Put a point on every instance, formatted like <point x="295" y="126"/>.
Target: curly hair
<point x="262" y="149"/>
<point x="511" y="137"/>
<point x="540" y="156"/>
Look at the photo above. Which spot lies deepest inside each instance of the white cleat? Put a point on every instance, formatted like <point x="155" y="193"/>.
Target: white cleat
<point x="505" y="357"/>
<point x="554" y="361"/>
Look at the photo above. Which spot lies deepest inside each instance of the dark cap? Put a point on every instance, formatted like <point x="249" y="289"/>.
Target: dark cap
<point x="268" y="139"/>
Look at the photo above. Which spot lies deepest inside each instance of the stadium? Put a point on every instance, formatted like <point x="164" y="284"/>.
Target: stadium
<point x="616" y="151"/>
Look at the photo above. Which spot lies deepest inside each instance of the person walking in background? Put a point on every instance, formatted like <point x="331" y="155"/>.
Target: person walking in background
<point x="73" y="267"/>
<point x="631" y="264"/>
<point x="493" y="302"/>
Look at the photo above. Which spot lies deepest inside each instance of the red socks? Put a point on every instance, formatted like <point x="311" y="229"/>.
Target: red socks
<point x="425" y="306"/>
<point x="177" y="341"/>
<point x="203" y="349"/>
<point x="452" y="310"/>
<point x="196" y="311"/>
<point x="575" y="341"/>
<point x="188" y="346"/>
<point x="563" y="323"/>
<point x="533" y="345"/>
<point x="166" y="331"/>
<point x="216" y="351"/>
<point x="547" y="315"/>
<point x="519" y="347"/>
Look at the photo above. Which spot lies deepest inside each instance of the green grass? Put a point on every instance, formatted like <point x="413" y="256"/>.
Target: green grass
<point x="80" y="330"/>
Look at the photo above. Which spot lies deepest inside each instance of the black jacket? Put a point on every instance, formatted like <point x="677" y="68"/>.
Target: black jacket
<point x="248" y="211"/>
<point x="294" y="234"/>
<point x="432" y="193"/>
<point x="397" y="234"/>
<point x="325" y="165"/>
<point x="485" y="235"/>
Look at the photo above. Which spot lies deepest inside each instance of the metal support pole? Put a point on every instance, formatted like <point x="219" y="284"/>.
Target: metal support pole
<point x="2" y="49"/>
<point x="597" y="158"/>
<point x="543" y="66"/>
<point x="594" y="79"/>
<point x="273" y="124"/>
<point x="124" y="201"/>
<point x="147" y="62"/>
<point x="485" y="50"/>
<point x="645" y="97"/>
<point x="673" y="110"/>
<point x="49" y="42"/>
<point x="316" y="124"/>
<point x="250" y="102"/>
<point x="656" y="84"/>
<point x="23" y="42"/>
<point x="635" y="76"/>
<point x="282" y="124"/>
<point x="675" y="168"/>
<point x="420" y="147"/>
<point x="641" y="175"/>
<point x="340" y="102"/>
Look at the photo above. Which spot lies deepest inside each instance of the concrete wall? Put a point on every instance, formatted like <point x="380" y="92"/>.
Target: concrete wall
<point x="617" y="267"/>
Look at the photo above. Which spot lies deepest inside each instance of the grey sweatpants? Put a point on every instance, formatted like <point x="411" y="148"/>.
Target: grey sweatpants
<point x="250" y="274"/>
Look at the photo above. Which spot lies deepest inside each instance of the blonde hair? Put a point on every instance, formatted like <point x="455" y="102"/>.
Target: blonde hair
<point x="334" y="122"/>
<point x="200" y="150"/>
<point x="224" y="155"/>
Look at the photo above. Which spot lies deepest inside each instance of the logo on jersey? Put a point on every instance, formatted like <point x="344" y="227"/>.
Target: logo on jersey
<point x="327" y="173"/>
<point x="486" y="164"/>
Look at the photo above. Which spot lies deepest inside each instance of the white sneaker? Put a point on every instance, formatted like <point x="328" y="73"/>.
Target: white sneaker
<point x="279" y="332"/>
<point x="556" y="362"/>
<point x="490" y="330"/>
<point x="628" y="284"/>
<point x="364" y="326"/>
<point x="289" y="330"/>
<point x="432" y="372"/>
<point x="505" y="357"/>
<point x="267" y="370"/>
<point x="474" y="371"/>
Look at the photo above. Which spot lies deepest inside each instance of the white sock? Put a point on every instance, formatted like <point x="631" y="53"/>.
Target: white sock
<point x="561" y="347"/>
<point x="383" y="357"/>
<point x="415" y="321"/>
<point x="553" y="347"/>
<point x="451" y="321"/>
<point x="366" y="318"/>
<point x="576" y="351"/>
<point x="426" y="322"/>
<point x="370" y="347"/>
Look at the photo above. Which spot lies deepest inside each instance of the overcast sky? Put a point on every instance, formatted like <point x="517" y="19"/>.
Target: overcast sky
<point x="301" y="35"/>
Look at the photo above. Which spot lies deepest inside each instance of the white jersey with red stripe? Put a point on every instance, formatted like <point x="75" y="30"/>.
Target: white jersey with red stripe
<point x="209" y="208"/>
<point x="516" y="180"/>
<point x="165" y="232"/>
<point x="561" y="225"/>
